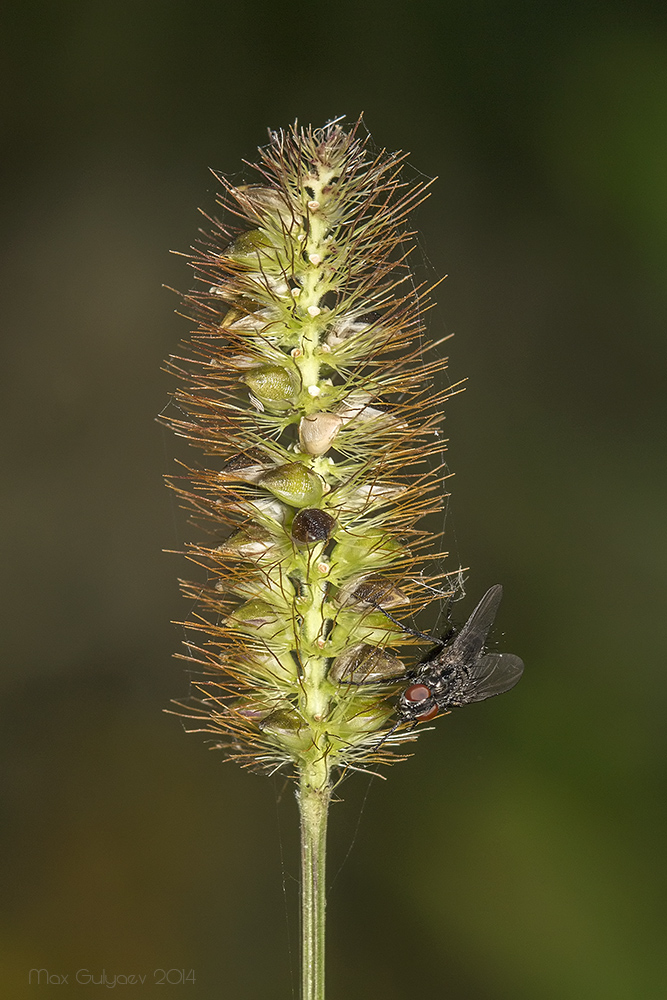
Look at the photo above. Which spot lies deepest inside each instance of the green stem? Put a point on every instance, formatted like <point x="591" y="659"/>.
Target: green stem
<point x="314" y="797"/>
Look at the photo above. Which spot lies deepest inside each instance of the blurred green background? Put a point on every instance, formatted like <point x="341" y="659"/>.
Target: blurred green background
<point x="520" y="853"/>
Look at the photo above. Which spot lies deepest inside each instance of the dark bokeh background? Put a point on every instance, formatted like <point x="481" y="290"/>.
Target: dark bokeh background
<point x="520" y="853"/>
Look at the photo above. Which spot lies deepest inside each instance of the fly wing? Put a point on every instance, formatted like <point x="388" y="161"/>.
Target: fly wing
<point x="493" y="674"/>
<point x="469" y="642"/>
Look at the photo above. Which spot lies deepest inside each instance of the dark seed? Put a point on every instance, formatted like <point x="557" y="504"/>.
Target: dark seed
<point x="312" y="525"/>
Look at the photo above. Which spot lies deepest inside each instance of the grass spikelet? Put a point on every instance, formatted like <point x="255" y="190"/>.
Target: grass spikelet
<point x="305" y="384"/>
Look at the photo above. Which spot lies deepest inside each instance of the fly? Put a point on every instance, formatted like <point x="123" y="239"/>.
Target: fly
<point x="459" y="674"/>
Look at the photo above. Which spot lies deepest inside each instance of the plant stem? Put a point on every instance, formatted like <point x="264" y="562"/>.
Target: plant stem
<point x="314" y="797"/>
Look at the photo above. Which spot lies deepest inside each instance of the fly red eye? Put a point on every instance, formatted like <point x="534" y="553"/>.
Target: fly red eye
<point x="416" y="693"/>
<point x="430" y="714"/>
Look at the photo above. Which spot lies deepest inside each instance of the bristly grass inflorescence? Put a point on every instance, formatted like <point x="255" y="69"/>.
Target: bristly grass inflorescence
<point x="307" y="386"/>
